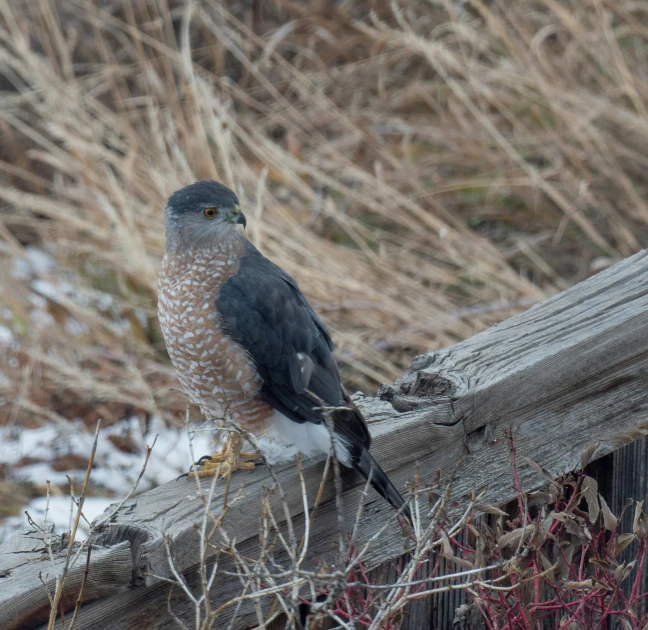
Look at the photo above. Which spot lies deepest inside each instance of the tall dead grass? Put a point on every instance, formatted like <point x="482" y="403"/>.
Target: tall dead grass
<point x="423" y="171"/>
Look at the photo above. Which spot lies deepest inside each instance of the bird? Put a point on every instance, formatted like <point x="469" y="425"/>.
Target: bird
<point x="246" y="343"/>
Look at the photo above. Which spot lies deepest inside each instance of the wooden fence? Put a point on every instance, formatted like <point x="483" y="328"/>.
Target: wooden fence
<point x="570" y="372"/>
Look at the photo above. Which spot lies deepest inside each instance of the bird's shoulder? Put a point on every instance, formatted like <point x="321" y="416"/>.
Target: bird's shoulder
<point x="263" y="296"/>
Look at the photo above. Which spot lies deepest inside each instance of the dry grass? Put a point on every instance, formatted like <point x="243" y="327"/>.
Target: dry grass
<point x="422" y="172"/>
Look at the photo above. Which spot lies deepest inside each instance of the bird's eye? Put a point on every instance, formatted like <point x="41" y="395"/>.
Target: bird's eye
<point x="210" y="213"/>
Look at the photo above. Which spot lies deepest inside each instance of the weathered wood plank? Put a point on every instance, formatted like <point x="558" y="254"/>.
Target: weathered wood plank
<point x="27" y="573"/>
<point x="568" y="372"/>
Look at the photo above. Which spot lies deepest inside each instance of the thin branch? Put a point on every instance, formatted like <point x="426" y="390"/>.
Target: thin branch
<point x="79" y="601"/>
<point x="72" y="536"/>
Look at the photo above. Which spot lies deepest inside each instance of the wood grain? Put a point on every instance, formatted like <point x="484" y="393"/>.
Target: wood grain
<point x="28" y="573"/>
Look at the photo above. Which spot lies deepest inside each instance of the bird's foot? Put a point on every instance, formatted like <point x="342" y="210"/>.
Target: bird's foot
<point x="223" y="464"/>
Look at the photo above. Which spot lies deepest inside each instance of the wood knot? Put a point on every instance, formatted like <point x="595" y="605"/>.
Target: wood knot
<point x="417" y="391"/>
<point x="427" y="384"/>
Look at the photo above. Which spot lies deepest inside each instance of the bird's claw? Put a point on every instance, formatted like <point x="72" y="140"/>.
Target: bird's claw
<point x="225" y="462"/>
<point x="222" y="456"/>
<point x="222" y="464"/>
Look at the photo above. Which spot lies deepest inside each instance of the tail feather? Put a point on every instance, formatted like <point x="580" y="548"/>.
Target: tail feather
<point x="351" y="428"/>
<point x="366" y="465"/>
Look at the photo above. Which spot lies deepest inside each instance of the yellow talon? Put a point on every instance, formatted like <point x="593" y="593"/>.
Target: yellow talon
<point x="226" y="461"/>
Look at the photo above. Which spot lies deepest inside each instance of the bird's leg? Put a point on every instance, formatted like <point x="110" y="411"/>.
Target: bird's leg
<point x="227" y="461"/>
<point x="234" y="446"/>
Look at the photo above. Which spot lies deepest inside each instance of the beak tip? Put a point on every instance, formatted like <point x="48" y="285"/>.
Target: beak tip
<point x="241" y="220"/>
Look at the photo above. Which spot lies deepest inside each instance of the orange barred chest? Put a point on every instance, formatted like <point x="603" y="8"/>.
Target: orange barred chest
<point x="216" y="372"/>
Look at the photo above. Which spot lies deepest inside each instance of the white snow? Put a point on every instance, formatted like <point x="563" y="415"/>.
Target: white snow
<point x="35" y="262"/>
<point x="46" y="289"/>
<point x="58" y="514"/>
<point x="114" y="471"/>
<point x="6" y="336"/>
<point x="41" y="262"/>
<point x="21" y="269"/>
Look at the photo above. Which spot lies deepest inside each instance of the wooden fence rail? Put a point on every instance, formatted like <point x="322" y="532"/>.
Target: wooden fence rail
<point x="567" y="373"/>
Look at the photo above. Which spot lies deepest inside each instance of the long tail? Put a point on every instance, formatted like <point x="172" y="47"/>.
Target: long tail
<point x="366" y="465"/>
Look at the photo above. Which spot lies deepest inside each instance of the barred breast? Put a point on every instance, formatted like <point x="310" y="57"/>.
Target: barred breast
<point x="216" y="373"/>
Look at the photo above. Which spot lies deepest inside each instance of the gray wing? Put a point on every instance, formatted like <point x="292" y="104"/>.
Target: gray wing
<point x="262" y="308"/>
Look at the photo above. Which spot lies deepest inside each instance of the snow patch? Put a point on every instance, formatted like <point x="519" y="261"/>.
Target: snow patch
<point x="114" y="471"/>
<point x="58" y="514"/>
<point x="41" y="262"/>
<point x="35" y="262"/>
<point x="6" y="336"/>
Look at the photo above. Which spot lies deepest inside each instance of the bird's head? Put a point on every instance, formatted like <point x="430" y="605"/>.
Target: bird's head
<point x="200" y="215"/>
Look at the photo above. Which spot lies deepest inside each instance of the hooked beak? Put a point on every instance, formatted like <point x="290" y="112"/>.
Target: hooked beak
<point x="240" y="220"/>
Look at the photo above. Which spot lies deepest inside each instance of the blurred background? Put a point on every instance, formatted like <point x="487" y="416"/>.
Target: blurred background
<point x="423" y="169"/>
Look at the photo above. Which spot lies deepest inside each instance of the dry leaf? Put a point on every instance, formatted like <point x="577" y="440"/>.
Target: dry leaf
<point x="511" y="539"/>
<point x="464" y="564"/>
<point x="610" y="521"/>
<point x="448" y="554"/>
<point x="541" y="498"/>
<point x="480" y="556"/>
<point x="603" y="564"/>
<point x="447" y="547"/>
<point x="589" y="491"/>
<point x="548" y="567"/>
<point x="640" y="523"/>
<point x="572" y="625"/>
<point x="585" y="585"/>
<point x="572" y="526"/>
<point x="475" y="532"/>
<point x="623" y="571"/>
<point x="586" y="455"/>
<point x="489" y="509"/>
<point x="539" y="469"/>
<point x="623" y="541"/>
<point x="566" y="557"/>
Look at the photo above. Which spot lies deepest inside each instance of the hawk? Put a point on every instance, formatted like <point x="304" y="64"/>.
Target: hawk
<point x="245" y="341"/>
